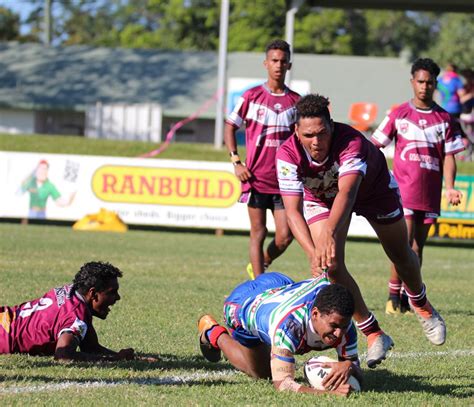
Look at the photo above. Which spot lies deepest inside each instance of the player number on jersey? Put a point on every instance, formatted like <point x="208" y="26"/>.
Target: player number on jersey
<point x="42" y="304"/>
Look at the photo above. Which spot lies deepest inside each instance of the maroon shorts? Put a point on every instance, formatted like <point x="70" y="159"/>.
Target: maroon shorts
<point x="385" y="209"/>
<point x="260" y="200"/>
<point x="421" y="217"/>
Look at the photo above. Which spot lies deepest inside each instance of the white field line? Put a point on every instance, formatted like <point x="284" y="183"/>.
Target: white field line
<point x="420" y="355"/>
<point x="157" y="381"/>
<point x="187" y="379"/>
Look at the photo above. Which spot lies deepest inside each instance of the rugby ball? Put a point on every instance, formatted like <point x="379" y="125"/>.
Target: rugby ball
<point x="315" y="373"/>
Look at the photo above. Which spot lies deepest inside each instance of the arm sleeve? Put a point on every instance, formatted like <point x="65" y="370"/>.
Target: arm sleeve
<point x="237" y="116"/>
<point x="74" y="321"/>
<point x="385" y="133"/>
<point x="53" y="191"/>
<point x="347" y="349"/>
<point x="289" y="179"/>
<point x="453" y="143"/>
<point x="353" y="159"/>
<point x="288" y="334"/>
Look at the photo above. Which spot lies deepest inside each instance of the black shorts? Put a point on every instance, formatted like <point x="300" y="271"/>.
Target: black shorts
<point x="260" y="200"/>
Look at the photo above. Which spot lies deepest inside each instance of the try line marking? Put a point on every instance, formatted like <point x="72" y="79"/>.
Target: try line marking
<point x="189" y="379"/>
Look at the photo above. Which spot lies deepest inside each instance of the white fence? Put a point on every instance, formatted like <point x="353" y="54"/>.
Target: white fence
<point x="124" y="122"/>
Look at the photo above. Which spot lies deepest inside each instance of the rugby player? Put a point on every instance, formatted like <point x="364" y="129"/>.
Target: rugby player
<point x="272" y="318"/>
<point x="61" y="321"/>
<point x="426" y="141"/>
<point x="269" y="115"/>
<point x="326" y="171"/>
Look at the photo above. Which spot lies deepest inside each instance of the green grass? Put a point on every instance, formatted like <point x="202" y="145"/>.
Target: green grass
<point x="171" y="278"/>
<point x="85" y="146"/>
<point x="180" y="151"/>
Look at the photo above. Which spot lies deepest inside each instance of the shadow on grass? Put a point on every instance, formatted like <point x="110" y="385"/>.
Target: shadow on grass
<point x="384" y="381"/>
<point x="163" y="362"/>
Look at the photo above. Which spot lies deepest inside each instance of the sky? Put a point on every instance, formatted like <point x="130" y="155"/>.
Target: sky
<point x="22" y="7"/>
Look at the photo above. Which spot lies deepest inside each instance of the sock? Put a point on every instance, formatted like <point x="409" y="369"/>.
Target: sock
<point x="404" y="298"/>
<point x="394" y="287"/>
<point x="369" y="326"/>
<point x="213" y="334"/>
<point x="418" y="300"/>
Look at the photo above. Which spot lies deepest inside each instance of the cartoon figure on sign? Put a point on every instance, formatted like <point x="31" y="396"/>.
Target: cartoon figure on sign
<point x="40" y="189"/>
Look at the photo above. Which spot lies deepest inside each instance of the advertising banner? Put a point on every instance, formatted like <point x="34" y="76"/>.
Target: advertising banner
<point x="141" y="191"/>
<point x="457" y="222"/>
<point x="175" y="193"/>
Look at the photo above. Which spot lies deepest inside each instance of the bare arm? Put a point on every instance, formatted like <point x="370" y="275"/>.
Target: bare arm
<point x="449" y="173"/>
<point x="66" y="350"/>
<point x="325" y="251"/>
<point x="63" y="201"/>
<point x="240" y="170"/>
<point x="283" y="375"/>
<point x="297" y="223"/>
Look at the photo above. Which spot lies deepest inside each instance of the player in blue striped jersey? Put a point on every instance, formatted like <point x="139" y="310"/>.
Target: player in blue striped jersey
<point x="271" y="319"/>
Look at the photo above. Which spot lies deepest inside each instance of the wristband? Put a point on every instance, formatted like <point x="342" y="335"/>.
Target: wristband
<point x="236" y="163"/>
<point x="232" y="153"/>
<point x="234" y="157"/>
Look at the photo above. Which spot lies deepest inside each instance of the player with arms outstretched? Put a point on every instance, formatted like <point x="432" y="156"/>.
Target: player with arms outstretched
<point x="327" y="171"/>
<point x="426" y="141"/>
<point x="61" y="321"/>
<point x="269" y="116"/>
<point x="271" y="319"/>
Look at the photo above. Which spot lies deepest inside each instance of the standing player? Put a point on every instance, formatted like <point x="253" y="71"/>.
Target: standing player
<point x="426" y="141"/>
<point x="450" y="87"/>
<point x="326" y="171"/>
<point x="272" y="318"/>
<point x="269" y="115"/>
<point x="61" y="321"/>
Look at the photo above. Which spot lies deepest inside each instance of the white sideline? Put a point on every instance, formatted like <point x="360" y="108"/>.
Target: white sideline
<point x="406" y="355"/>
<point x="157" y="381"/>
<point x="186" y="379"/>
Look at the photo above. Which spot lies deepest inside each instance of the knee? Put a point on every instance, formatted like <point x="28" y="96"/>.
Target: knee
<point x="406" y="260"/>
<point x="259" y="232"/>
<point x="282" y="242"/>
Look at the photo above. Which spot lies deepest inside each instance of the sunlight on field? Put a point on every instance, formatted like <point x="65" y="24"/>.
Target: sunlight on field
<point x="171" y="278"/>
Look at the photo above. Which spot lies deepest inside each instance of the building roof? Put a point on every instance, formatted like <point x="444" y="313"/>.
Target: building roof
<point x="36" y="76"/>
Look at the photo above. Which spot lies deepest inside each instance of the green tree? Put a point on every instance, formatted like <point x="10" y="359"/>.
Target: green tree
<point x="390" y="32"/>
<point x="330" y="31"/>
<point x="455" y="42"/>
<point x="9" y="25"/>
<point x="254" y="24"/>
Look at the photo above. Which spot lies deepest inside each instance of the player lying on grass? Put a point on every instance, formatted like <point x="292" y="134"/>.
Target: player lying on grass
<point x="61" y="321"/>
<point x="272" y="318"/>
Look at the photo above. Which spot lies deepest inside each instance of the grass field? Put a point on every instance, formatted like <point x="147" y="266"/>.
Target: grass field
<point x="171" y="278"/>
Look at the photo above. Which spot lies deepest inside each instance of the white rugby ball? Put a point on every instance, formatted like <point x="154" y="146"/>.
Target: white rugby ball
<point x="315" y="373"/>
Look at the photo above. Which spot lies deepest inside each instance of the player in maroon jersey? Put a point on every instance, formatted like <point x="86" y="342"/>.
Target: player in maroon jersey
<point x="326" y="171"/>
<point x="426" y="141"/>
<point x="61" y="321"/>
<point x="269" y="115"/>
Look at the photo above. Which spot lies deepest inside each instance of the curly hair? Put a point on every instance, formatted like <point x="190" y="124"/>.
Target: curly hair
<point x="95" y="274"/>
<point x="279" y="44"/>
<point x="313" y="105"/>
<point x="335" y="298"/>
<point x="426" y="64"/>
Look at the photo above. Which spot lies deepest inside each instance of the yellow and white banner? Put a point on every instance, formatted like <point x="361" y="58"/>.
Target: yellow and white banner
<point x="175" y="193"/>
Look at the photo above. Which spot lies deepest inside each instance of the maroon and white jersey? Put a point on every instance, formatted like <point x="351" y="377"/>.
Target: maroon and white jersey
<point x="422" y="140"/>
<point x="350" y="153"/>
<point x="270" y="120"/>
<point x="35" y="326"/>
